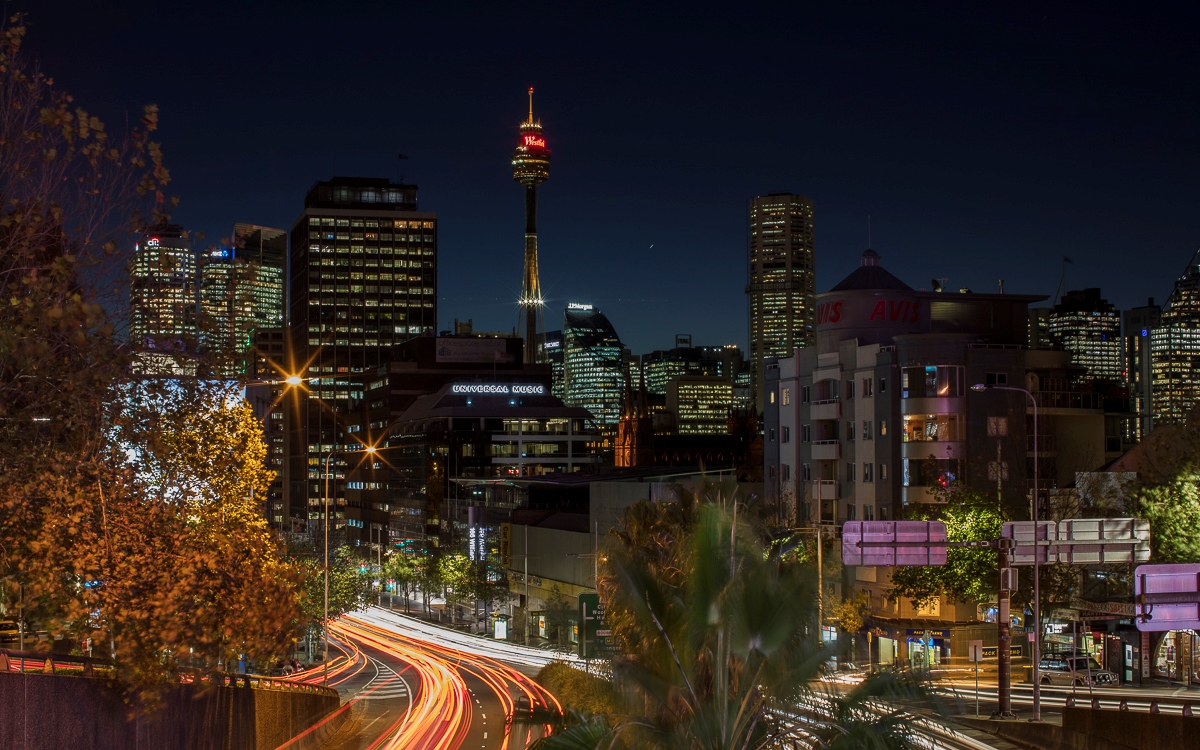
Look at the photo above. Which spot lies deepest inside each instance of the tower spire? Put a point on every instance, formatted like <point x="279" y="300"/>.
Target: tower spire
<point x="531" y="167"/>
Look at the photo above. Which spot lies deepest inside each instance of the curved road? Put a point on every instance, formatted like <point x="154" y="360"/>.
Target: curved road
<point x="404" y="687"/>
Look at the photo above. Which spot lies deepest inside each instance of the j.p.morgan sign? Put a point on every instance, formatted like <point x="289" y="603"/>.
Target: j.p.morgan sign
<point x="499" y="389"/>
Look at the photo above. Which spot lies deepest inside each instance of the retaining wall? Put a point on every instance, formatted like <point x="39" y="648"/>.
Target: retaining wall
<point x="50" y="712"/>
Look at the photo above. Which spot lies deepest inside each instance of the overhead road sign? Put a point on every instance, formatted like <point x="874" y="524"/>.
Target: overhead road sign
<point x="890" y="543"/>
<point x="1079" y="541"/>
<point x="1167" y="597"/>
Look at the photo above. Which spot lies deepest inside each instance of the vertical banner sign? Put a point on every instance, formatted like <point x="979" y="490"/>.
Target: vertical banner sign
<point x="506" y="545"/>
<point x="476" y="534"/>
<point x="595" y="639"/>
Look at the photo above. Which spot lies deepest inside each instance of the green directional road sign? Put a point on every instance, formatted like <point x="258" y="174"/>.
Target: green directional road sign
<point x="595" y="639"/>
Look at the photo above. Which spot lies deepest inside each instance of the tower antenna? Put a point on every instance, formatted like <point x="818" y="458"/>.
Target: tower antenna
<point x="530" y="105"/>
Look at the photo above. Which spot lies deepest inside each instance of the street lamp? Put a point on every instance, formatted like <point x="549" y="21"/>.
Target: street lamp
<point x="325" y="622"/>
<point x="1037" y="593"/>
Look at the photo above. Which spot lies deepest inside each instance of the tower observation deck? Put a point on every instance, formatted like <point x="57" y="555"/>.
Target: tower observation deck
<point x="531" y="166"/>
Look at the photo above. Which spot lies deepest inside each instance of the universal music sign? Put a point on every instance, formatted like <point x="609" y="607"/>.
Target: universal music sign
<point x="499" y="389"/>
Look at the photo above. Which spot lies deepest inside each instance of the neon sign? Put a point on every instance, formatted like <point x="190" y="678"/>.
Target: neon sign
<point x="579" y="306"/>
<point x="499" y="389"/>
<point x="533" y="141"/>
<point x="152" y="242"/>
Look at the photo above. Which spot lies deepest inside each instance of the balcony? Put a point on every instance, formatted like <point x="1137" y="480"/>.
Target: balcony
<point x="826" y="450"/>
<point x="828" y="409"/>
<point x="825" y="489"/>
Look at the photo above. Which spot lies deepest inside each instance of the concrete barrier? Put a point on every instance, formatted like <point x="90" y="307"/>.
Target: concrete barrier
<point x="1142" y="731"/>
<point x="1099" y="729"/>
<point x="45" y="712"/>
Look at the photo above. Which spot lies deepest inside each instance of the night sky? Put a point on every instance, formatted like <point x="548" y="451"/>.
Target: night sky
<point x="983" y="143"/>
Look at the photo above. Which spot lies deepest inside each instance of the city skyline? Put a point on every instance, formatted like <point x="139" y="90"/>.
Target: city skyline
<point x="980" y="146"/>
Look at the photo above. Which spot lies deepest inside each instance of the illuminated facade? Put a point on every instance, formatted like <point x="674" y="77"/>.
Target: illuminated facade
<point x="660" y="366"/>
<point x="1139" y="322"/>
<point x="1088" y="328"/>
<point x="593" y="365"/>
<point x="241" y="291"/>
<point x="552" y="352"/>
<point x="1175" y="351"/>
<point x="701" y="404"/>
<point x="363" y="280"/>
<point x="781" y="280"/>
<point x="531" y="167"/>
<point x="162" y="299"/>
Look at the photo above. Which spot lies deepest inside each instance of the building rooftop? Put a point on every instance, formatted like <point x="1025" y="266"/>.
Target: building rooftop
<point x="870" y="275"/>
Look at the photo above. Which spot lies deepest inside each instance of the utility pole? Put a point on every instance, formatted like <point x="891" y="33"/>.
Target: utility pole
<point x="1004" y="636"/>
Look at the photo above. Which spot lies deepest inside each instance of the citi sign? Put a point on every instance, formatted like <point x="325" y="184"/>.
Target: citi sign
<point x="534" y="141"/>
<point x="499" y="389"/>
<point x="885" y="310"/>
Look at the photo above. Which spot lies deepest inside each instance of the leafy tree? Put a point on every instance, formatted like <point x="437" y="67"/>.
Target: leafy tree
<point x="558" y="615"/>
<point x="404" y="570"/>
<point x="851" y="613"/>
<point x="129" y="511"/>
<point x="969" y="574"/>
<point x="349" y="588"/>
<point x="713" y="631"/>
<point x="1173" y="510"/>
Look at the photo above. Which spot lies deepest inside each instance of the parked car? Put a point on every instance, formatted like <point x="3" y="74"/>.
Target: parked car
<point x="10" y="634"/>
<point x="1074" y="670"/>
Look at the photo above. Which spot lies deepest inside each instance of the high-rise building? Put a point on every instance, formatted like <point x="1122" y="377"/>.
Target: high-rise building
<point x="241" y="291"/>
<point x="1088" y="327"/>
<point x="531" y="167"/>
<point x="781" y="280"/>
<point x="661" y="365"/>
<point x="1139" y="322"/>
<point x="700" y="404"/>
<point x="552" y="352"/>
<point x="593" y="364"/>
<point x="1175" y="350"/>
<point x="162" y="299"/>
<point x="363" y="279"/>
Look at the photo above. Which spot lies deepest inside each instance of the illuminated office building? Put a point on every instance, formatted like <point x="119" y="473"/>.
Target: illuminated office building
<point x="552" y="352"/>
<point x="661" y="365"/>
<point x="1087" y="327"/>
<point x="1175" y="350"/>
<point x="363" y="280"/>
<point x="162" y="299"/>
<point x="241" y="291"/>
<point x="1139" y="322"/>
<point x="781" y="281"/>
<point x="593" y="364"/>
<point x="700" y="404"/>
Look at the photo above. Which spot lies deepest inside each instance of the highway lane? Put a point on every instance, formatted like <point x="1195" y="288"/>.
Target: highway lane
<point x="412" y="690"/>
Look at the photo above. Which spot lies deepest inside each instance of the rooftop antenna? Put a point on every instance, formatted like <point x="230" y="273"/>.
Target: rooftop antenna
<point x="400" y="177"/>
<point x="530" y="120"/>
<point x="940" y="284"/>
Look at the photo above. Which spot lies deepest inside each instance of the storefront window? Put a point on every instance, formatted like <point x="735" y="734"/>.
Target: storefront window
<point x="930" y="427"/>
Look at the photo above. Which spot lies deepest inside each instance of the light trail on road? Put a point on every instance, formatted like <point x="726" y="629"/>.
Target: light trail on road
<point x="509" y="653"/>
<point x="440" y="714"/>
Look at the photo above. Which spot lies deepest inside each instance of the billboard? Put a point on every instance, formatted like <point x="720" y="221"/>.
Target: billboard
<point x="472" y="350"/>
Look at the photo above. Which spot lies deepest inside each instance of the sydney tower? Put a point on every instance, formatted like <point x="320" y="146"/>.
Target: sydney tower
<point x="531" y="166"/>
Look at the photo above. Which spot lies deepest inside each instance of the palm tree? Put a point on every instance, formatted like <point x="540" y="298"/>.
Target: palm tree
<point x="720" y="643"/>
